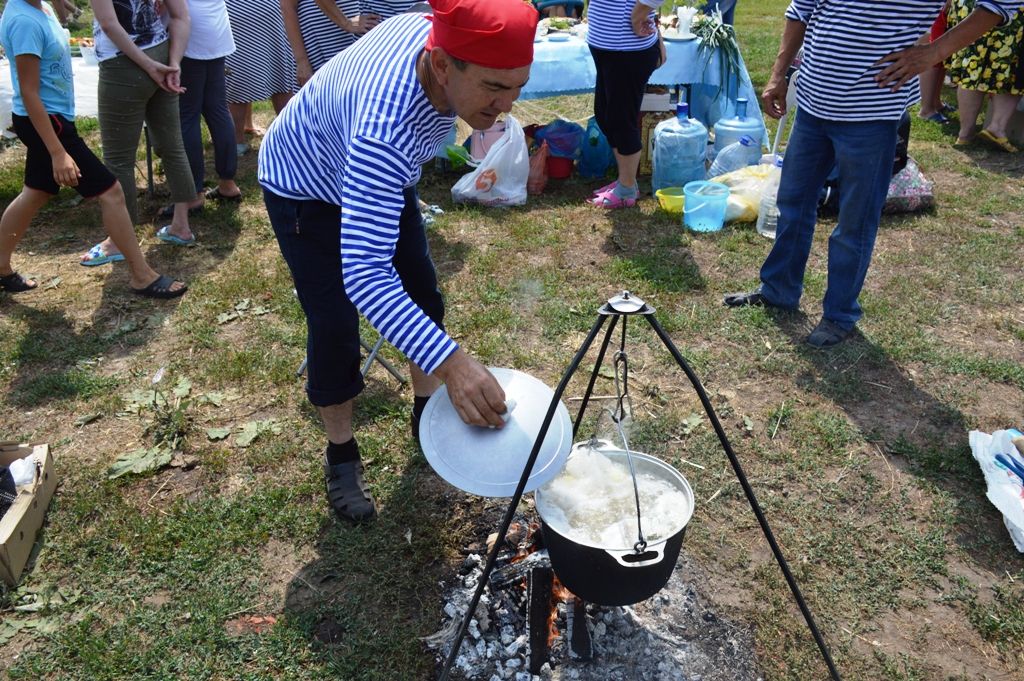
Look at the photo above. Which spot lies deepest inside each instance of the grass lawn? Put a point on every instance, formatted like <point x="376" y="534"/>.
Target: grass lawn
<point x="227" y="565"/>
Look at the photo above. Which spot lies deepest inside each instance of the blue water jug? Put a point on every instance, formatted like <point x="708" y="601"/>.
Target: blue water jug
<point x="730" y="130"/>
<point x="680" y="145"/>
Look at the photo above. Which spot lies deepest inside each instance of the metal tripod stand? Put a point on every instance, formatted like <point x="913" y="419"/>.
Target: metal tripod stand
<point x="619" y="309"/>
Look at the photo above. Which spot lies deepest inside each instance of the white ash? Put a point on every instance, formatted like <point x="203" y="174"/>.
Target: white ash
<point x="673" y="636"/>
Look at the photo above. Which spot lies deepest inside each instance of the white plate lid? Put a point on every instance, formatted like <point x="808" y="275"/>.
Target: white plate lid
<point x="490" y="462"/>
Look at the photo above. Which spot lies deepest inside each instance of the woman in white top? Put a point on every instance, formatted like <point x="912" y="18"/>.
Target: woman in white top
<point x="202" y="76"/>
<point x="140" y="80"/>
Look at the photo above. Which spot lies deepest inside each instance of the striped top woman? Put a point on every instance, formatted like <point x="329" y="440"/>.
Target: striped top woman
<point x="627" y="48"/>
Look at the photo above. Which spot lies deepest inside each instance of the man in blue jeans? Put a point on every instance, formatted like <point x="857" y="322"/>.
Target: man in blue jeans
<point x="857" y="77"/>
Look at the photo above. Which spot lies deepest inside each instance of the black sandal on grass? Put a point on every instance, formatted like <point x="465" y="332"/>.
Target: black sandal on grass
<point x="215" y="194"/>
<point x="827" y="334"/>
<point x="161" y="288"/>
<point x="348" y="492"/>
<point x="744" y="299"/>
<point x="167" y="211"/>
<point x="15" y="283"/>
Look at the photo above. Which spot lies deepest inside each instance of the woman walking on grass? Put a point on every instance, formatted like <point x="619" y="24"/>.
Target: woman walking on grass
<point x="44" y="118"/>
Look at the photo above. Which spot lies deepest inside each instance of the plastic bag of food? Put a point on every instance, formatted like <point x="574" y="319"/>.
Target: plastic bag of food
<point x="564" y="138"/>
<point x="538" y="177"/>
<point x="745" y="185"/>
<point x="500" y="179"/>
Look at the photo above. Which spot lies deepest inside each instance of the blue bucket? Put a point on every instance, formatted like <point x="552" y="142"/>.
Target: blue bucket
<point x="704" y="206"/>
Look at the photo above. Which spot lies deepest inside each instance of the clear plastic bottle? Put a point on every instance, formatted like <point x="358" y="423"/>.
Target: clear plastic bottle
<point x="768" y="211"/>
<point x="680" y="145"/>
<point x="737" y="155"/>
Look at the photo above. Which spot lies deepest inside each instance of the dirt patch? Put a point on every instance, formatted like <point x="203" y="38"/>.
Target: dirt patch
<point x="157" y="599"/>
<point x="249" y="624"/>
<point x="281" y="562"/>
<point x="944" y="643"/>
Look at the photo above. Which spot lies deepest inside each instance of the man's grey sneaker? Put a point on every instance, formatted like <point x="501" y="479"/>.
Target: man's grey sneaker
<point x="348" y="492"/>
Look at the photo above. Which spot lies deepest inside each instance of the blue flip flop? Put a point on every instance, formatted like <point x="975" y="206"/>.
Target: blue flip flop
<point x="96" y="257"/>
<point x="164" y="234"/>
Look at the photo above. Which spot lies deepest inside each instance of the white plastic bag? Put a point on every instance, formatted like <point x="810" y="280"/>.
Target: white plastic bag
<point x="500" y="179"/>
<point x="745" y="187"/>
<point x="1005" y="489"/>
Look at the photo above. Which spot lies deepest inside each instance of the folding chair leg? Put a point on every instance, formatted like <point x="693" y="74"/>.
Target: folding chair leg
<point x="374" y="356"/>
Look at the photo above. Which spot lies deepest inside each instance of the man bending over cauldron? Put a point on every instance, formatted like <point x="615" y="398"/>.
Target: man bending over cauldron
<point x="339" y="168"/>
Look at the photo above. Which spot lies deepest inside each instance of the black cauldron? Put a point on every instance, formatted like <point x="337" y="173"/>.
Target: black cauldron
<point x="617" y="576"/>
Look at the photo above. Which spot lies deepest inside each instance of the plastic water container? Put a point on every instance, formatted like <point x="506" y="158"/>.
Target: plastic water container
<point x="730" y="130"/>
<point x="679" y="149"/>
<point x="768" y="211"/>
<point x="704" y="205"/>
<point x="745" y="152"/>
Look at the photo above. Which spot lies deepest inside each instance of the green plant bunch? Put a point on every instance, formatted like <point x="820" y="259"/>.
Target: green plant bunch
<point x="716" y="36"/>
<point x="171" y="419"/>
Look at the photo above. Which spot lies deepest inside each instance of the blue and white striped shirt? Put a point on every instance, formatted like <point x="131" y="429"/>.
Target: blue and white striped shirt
<point x="843" y="41"/>
<point x="355" y="135"/>
<point x="609" y="26"/>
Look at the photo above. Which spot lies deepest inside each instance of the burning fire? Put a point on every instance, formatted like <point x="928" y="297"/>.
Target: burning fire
<point x="559" y="594"/>
<point x="526" y="538"/>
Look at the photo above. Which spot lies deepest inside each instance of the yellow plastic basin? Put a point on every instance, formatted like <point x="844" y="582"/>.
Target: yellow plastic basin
<point x="670" y="199"/>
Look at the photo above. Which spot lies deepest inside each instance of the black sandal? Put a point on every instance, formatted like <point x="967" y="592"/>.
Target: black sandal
<point x="161" y="288"/>
<point x="348" y="492"/>
<point x="214" y="194"/>
<point x="754" y="298"/>
<point x="167" y="212"/>
<point x="15" y="283"/>
<point x="827" y="334"/>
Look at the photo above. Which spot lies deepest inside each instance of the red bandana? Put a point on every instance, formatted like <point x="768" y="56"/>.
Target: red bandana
<point x="497" y="34"/>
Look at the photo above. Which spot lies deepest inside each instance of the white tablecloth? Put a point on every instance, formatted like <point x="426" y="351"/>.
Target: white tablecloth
<point x="86" y="78"/>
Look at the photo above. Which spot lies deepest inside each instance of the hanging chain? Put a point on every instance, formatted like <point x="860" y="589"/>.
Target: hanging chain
<point x="624" y="412"/>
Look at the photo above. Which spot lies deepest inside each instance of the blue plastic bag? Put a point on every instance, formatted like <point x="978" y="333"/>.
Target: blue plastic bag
<point x="564" y="138"/>
<point x="596" y="156"/>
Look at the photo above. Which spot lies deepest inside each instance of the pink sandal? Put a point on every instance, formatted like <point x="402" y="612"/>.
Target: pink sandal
<point x="611" y="201"/>
<point x="606" y="188"/>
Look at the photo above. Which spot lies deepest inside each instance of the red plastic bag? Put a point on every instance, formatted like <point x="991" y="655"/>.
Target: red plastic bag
<point x="538" y="177"/>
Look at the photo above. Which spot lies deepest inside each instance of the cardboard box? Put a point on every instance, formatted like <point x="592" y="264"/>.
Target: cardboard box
<point x="23" y="520"/>
<point x="648" y="121"/>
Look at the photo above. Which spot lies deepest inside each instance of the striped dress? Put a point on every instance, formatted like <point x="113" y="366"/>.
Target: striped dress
<point x="262" y="63"/>
<point x="844" y="40"/>
<point x="323" y="38"/>
<point x="355" y="136"/>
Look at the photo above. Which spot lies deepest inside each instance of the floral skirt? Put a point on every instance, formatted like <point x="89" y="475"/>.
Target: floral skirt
<point x="994" y="62"/>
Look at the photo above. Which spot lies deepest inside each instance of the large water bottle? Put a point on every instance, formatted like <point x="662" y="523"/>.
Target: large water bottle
<point x="680" y="144"/>
<point x="737" y="155"/>
<point x="768" y="211"/>
<point x="730" y="130"/>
